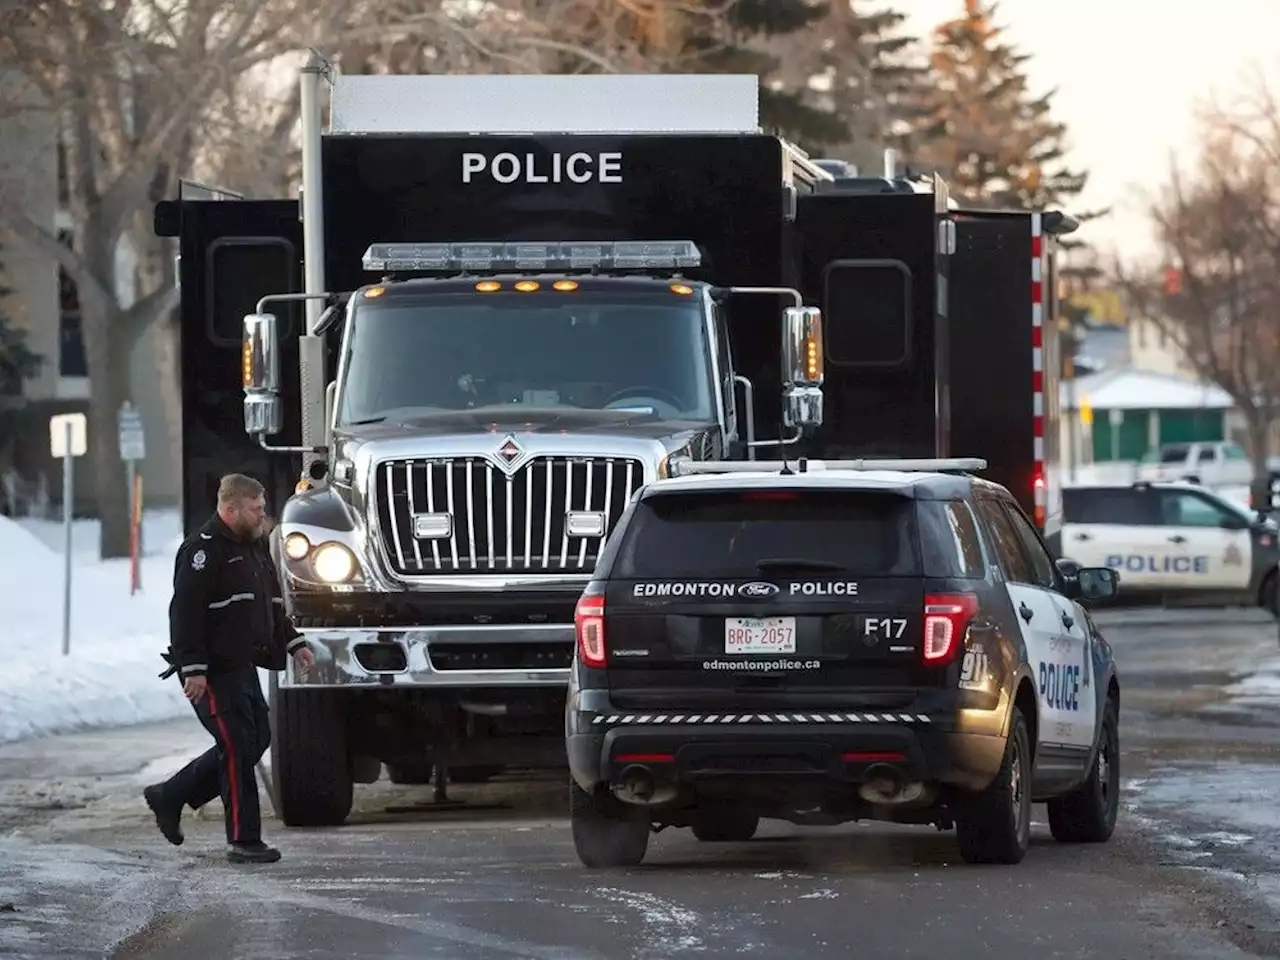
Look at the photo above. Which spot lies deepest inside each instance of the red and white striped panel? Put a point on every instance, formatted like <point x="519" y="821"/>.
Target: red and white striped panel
<point x="1037" y="365"/>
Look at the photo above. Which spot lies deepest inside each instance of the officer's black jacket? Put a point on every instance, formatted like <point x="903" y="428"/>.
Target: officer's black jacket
<point x="227" y="612"/>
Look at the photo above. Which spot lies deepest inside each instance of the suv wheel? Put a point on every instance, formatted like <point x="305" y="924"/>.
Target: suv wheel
<point x="994" y="826"/>
<point x="606" y="831"/>
<point x="726" y="826"/>
<point x="1088" y="813"/>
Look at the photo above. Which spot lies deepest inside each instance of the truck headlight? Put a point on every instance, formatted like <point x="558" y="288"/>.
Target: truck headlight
<point x="333" y="563"/>
<point x="296" y="546"/>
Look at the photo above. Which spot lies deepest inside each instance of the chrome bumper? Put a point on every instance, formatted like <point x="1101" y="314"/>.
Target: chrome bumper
<point x="339" y="653"/>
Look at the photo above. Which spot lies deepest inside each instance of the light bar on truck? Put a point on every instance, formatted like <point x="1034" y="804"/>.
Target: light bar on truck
<point x="492" y="257"/>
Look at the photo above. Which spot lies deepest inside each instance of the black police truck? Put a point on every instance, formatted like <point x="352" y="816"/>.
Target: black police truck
<point x="879" y="641"/>
<point x="479" y="333"/>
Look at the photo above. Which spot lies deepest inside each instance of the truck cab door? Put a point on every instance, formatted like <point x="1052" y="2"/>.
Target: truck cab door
<point x="232" y="253"/>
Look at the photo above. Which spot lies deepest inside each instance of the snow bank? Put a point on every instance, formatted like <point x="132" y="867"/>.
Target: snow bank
<point x="1264" y="683"/>
<point x="109" y="678"/>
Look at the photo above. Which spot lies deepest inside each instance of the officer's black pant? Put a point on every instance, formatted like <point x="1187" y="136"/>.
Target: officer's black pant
<point x="234" y="711"/>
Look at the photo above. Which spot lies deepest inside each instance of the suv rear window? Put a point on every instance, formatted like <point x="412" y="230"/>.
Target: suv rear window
<point x="725" y="534"/>
<point x="1123" y="506"/>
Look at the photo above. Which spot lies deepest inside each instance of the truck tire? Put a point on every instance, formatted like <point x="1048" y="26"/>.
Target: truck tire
<point x="1088" y="813"/>
<point x="726" y="826"/>
<point x="994" y="826"/>
<point x="310" y="763"/>
<point x="606" y="831"/>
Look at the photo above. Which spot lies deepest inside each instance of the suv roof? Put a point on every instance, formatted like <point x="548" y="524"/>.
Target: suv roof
<point x="1140" y="485"/>
<point x="917" y="485"/>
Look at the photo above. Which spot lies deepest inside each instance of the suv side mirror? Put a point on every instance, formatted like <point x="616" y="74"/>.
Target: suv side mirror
<point x="260" y="372"/>
<point x="803" y="366"/>
<point x="1094" y="583"/>
<point x="1232" y="522"/>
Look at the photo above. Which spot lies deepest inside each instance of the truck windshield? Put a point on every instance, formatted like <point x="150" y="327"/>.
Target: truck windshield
<point x="451" y="352"/>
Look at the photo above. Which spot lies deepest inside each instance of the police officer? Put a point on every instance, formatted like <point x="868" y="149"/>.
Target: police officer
<point x="226" y="619"/>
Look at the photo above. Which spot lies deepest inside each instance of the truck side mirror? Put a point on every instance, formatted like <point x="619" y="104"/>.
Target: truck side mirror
<point x="260" y="363"/>
<point x="802" y="367"/>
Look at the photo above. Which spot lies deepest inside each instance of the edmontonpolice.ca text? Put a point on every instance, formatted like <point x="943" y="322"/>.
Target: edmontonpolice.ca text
<point x="758" y="665"/>
<point x="806" y="588"/>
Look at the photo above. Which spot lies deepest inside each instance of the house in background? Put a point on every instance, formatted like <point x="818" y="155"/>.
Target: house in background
<point x="45" y="303"/>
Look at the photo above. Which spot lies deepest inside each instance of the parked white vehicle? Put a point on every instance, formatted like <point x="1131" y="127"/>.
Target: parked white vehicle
<point x="1216" y="464"/>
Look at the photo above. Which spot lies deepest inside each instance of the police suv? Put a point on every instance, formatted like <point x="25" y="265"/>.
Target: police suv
<point x="1174" y="541"/>
<point x="826" y="642"/>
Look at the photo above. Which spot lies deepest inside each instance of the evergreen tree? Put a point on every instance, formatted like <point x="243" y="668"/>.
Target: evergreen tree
<point x="694" y="36"/>
<point x="858" y="67"/>
<point x="979" y="126"/>
<point x="17" y="361"/>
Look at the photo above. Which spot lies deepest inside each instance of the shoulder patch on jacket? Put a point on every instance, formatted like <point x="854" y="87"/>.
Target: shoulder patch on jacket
<point x="199" y="559"/>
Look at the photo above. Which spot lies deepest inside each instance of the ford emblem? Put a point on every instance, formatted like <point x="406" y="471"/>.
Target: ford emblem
<point x="758" y="589"/>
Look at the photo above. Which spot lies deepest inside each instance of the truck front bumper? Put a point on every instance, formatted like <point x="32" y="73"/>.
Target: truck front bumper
<point x="525" y="655"/>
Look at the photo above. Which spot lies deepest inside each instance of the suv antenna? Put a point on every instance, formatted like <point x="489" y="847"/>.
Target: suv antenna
<point x="786" y="470"/>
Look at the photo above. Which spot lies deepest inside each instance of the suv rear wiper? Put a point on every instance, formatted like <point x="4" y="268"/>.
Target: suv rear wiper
<point x="796" y="563"/>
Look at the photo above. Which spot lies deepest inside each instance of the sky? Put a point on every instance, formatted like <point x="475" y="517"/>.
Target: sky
<point x="1129" y="75"/>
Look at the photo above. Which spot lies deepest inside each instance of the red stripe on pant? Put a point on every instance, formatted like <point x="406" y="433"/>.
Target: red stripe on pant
<point x="230" y="751"/>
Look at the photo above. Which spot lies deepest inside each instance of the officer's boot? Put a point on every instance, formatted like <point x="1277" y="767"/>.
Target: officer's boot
<point x="168" y="816"/>
<point x="253" y="852"/>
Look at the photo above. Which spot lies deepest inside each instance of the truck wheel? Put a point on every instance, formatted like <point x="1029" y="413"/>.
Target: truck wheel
<point x="606" y="831"/>
<point x="726" y="826"/>
<point x="310" y="764"/>
<point x="474" y="774"/>
<point x="994" y="826"/>
<point x="1088" y="813"/>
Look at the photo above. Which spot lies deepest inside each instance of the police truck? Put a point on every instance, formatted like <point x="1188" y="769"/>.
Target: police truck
<point x="479" y="332"/>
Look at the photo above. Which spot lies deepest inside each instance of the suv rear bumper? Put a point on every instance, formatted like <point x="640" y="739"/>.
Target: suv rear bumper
<point x="840" y="748"/>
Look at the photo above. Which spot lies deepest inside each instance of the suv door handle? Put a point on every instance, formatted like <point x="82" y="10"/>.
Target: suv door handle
<point x="1026" y="612"/>
<point x="1068" y="621"/>
<point x="1177" y="538"/>
<point x="1083" y="536"/>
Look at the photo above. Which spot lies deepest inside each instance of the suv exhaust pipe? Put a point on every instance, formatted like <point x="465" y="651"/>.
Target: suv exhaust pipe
<point x="885" y="786"/>
<point x="638" y="785"/>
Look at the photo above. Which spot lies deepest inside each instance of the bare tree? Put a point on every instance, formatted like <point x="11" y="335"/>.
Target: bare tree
<point x="1217" y="291"/>
<point x="132" y="82"/>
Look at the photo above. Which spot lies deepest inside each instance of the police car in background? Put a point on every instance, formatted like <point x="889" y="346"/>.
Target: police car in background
<point x="1173" y="541"/>
<point x="853" y="641"/>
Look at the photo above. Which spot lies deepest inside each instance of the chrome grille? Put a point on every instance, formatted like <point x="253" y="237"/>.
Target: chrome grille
<point x="500" y="523"/>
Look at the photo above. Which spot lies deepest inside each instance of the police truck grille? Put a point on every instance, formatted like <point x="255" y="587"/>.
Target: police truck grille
<point x="500" y="523"/>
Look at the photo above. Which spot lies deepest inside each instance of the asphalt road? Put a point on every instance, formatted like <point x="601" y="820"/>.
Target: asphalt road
<point x="1193" y="870"/>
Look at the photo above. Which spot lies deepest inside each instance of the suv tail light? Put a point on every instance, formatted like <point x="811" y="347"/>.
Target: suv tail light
<point x="946" y="615"/>
<point x="588" y="626"/>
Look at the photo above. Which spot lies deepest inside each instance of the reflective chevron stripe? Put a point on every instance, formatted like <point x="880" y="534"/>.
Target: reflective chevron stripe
<point x="613" y="719"/>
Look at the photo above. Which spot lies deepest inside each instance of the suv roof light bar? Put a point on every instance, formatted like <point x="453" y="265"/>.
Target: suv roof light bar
<point x="617" y="256"/>
<point x="683" y="468"/>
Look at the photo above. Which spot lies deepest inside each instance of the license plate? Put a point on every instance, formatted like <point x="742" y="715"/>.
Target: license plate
<point x="760" y="635"/>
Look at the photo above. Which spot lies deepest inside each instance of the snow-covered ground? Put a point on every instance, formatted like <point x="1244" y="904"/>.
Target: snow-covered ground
<point x="109" y="677"/>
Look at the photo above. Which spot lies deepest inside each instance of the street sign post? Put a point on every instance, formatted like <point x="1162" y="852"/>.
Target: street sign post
<point x="68" y="439"/>
<point x="1116" y="419"/>
<point x="133" y="450"/>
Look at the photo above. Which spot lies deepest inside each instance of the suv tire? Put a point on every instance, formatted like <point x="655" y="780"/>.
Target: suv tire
<point x="606" y="831"/>
<point x="1088" y="813"/>
<point x="994" y="826"/>
<point x="726" y="826"/>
